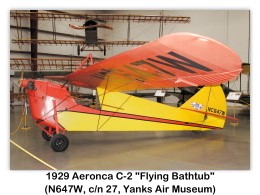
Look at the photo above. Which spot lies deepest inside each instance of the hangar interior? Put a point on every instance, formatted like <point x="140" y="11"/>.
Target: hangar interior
<point x="46" y="43"/>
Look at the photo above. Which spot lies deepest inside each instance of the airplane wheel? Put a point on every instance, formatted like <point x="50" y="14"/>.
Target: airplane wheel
<point x="180" y="102"/>
<point x="59" y="143"/>
<point x="45" y="135"/>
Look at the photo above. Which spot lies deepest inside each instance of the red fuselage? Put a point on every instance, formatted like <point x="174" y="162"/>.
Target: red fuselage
<point x="41" y="97"/>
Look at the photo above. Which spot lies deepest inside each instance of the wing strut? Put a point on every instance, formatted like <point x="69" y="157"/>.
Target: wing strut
<point x="117" y="107"/>
<point x="104" y="94"/>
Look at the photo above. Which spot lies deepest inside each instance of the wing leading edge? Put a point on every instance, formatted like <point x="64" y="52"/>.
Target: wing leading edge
<point x="175" y="60"/>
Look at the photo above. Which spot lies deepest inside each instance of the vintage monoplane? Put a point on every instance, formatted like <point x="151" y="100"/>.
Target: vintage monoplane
<point x="175" y="60"/>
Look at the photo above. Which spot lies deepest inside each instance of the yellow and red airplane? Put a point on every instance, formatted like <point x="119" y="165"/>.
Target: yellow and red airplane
<point x="175" y="60"/>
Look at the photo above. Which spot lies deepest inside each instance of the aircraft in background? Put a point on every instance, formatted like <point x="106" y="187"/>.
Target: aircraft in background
<point x="91" y="35"/>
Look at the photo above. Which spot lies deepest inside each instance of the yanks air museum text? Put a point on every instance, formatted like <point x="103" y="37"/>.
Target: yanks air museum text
<point x="129" y="182"/>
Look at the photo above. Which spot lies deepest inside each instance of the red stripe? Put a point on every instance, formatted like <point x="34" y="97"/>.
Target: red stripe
<point x="87" y="110"/>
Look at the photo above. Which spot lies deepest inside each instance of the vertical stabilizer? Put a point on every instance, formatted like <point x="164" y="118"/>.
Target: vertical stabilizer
<point x="211" y="102"/>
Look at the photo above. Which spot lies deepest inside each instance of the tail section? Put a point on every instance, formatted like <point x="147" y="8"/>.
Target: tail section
<point x="211" y="102"/>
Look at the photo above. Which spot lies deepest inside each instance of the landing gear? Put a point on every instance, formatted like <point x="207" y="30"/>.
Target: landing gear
<point x="59" y="143"/>
<point x="46" y="134"/>
<point x="180" y="102"/>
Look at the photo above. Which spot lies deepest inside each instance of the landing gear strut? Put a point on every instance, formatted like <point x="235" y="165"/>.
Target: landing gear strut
<point x="59" y="142"/>
<point x="47" y="132"/>
<point x="181" y="101"/>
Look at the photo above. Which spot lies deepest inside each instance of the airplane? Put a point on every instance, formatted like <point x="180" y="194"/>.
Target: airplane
<point x="91" y="35"/>
<point x="174" y="60"/>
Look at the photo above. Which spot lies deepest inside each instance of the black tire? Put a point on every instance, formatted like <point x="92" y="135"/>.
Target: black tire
<point x="59" y="143"/>
<point x="180" y="102"/>
<point x="46" y="136"/>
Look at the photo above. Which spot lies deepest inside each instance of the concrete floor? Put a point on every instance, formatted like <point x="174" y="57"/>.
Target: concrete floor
<point x="227" y="149"/>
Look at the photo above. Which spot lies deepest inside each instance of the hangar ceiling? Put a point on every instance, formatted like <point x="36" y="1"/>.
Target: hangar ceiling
<point x="25" y="24"/>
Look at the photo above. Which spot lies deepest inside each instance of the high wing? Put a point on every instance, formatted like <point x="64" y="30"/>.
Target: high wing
<point x="175" y="60"/>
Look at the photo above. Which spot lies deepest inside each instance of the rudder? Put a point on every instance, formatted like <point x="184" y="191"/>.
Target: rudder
<point x="210" y="101"/>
